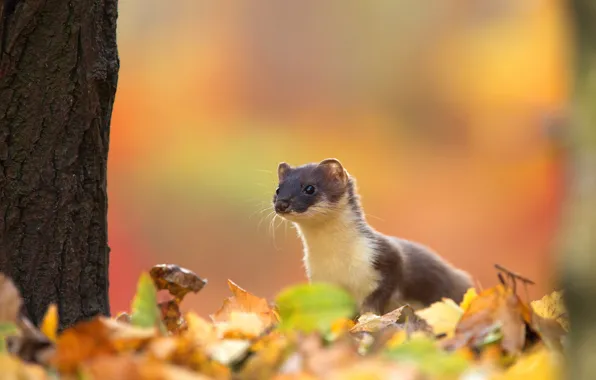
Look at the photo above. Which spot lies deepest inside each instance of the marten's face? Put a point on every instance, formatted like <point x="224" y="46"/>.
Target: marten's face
<point x="310" y="191"/>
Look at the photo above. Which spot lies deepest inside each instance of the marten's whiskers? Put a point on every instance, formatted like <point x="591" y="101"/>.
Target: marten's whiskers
<point x="263" y="217"/>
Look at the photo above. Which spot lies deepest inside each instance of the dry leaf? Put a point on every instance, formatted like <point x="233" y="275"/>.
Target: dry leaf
<point x="374" y="369"/>
<point x="31" y="345"/>
<point x="49" y="325"/>
<point x="539" y="364"/>
<point x="243" y="301"/>
<point x="269" y="353"/>
<point x="129" y="367"/>
<point x="100" y="336"/>
<point x="178" y="281"/>
<point x="405" y="317"/>
<point x="551" y="306"/>
<point x="468" y="298"/>
<point x="12" y="368"/>
<point x="442" y="316"/>
<point x="241" y="325"/>
<point x="171" y="316"/>
<point x="495" y="309"/>
<point x="10" y="300"/>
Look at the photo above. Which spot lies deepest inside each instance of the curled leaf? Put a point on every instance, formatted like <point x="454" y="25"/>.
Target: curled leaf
<point x="176" y="280"/>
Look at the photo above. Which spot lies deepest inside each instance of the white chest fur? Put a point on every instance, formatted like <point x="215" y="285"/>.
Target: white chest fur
<point x="337" y="253"/>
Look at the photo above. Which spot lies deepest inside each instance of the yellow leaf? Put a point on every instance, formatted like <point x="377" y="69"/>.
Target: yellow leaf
<point x="541" y="364"/>
<point x="442" y="316"/>
<point x="49" y="325"/>
<point x="13" y="368"/>
<point x="397" y="339"/>
<point x="551" y="306"/>
<point x="468" y="297"/>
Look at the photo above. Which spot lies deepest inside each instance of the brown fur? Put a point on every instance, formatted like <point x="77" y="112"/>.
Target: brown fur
<point x="408" y="272"/>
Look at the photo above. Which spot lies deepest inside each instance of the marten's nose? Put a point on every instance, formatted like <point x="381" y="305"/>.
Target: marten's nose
<point x="281" y="205"/>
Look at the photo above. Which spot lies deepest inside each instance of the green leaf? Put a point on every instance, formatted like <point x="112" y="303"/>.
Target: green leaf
<point x="7" y="329"/>
<point x="311" y="307"/>
<point x="144" y="306"/>
<point x="429" y="358"/>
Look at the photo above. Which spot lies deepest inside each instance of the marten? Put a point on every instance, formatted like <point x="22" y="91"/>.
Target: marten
<point x="380" y="272"/>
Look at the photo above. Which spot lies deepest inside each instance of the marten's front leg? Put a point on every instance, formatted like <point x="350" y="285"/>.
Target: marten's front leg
<point x="378" y="301"/>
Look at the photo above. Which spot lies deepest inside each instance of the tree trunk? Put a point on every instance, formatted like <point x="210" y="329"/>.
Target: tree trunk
<point x="579" y="259"/>
<point x="58" y="75"/>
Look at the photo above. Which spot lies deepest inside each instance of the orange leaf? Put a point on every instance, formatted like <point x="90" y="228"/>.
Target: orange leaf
<point x="243" y="301"/>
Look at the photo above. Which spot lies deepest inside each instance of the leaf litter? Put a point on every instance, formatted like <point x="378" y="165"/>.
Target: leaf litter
<point x="311" y="331"/>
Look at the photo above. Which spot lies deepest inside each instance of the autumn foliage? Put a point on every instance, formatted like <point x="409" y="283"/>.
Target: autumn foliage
<point x="309" y="332"/>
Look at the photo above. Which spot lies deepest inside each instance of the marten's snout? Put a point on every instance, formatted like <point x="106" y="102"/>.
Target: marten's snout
<point x="281" y="205"/>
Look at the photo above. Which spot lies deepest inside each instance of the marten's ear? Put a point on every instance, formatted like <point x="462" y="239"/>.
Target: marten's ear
<point x="334" y="169"/>
<point x="282" y="170"/>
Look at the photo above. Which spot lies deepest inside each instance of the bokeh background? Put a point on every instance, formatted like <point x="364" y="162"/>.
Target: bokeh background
<point x="445" y="111"/>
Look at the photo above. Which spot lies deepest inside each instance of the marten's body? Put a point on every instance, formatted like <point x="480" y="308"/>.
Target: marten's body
<point x="380" y="272"/>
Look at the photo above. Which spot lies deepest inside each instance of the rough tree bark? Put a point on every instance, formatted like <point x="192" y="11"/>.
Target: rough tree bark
<point x="58" y="74"/>
<point x="579" y="258"/>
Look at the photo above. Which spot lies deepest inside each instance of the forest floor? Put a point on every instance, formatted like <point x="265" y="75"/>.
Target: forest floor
<point x="308" y="332"/>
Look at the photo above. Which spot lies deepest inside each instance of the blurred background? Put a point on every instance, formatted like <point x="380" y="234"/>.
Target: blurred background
<point x="446" y="112"/>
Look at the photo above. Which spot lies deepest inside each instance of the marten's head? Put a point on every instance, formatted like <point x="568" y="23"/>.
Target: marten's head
<point x="311" y="192"/>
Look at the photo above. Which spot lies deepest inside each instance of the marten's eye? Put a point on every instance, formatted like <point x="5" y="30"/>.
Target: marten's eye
<point x="277" y="191"/>
<point x="310" y="189"/>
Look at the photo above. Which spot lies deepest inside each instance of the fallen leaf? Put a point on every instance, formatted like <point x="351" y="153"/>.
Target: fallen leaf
<point x="374" y="369"/>
<point x="270" y="352"/>
<point x="123" y="317"/>
<point x="227" y="351"/>
<point x="310" y="307"/>
<point x="172" y="317"/>
<point x="245" y="302"/>
<point x="321" y="360"/>
<point x="428" y="357"/>
<point x="98" y="337"/>
<point x="442" y="316"/>
<point x="10" y="300"/>
<point x="550" y="331"/>
<point x="176" y="280"/>
<point x="49" y="324"/>
<point x="540" y="364"/>
<point x="241" y="325"/>
<point x="12" y="368"/>
<point x="496" y="309"/>
<point x="7" y="329"/>
<point x="404" y="317"/>
<point x="129" y="367"/>
<point x="145" y="312"/>
<point x="30" y="345"/>
<point x="551" y="306"/>
<point x="468" y="298"/>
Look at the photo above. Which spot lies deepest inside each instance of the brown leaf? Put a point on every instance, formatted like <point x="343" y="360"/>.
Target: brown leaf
<point x="171" y="316"/>
<point x="10" y="300"/>
<point x="321" y="360"/>
<point x="31" y="345"/>
<point x="550" y="331"/>
<point x="374" y="368"/>
<point x="12" y="368"/>
<point x="493" y="309"/>
<point x="185" y="352"/>
<point x="98" y="337"/>
<point x="129" y="367"/>
<point x="177" y="280"/>
<point x="404" y="318"/>
<point x="269" y="353"/>
<point x="244" y="302"/>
